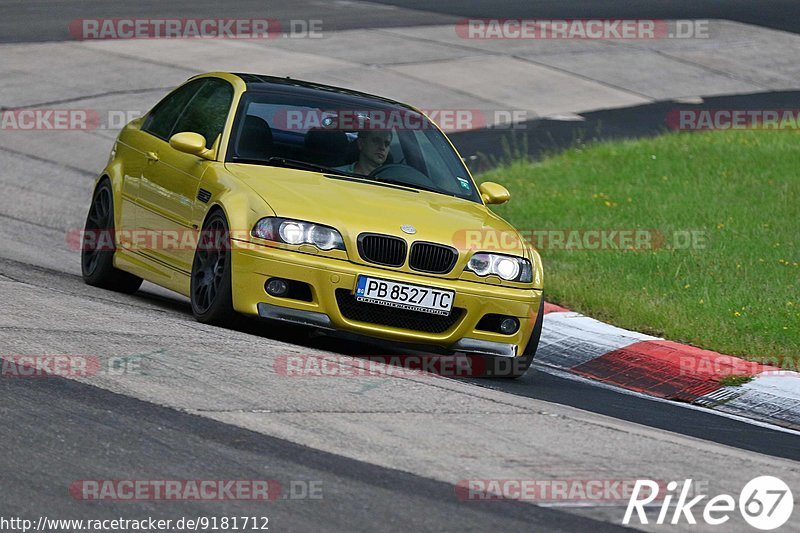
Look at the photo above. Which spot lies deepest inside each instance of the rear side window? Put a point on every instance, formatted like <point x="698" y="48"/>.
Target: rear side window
<point x="207" y="111"/>
<point x="163" y="117"/>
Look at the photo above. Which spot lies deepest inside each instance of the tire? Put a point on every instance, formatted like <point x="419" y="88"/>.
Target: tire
<point x="507" y="368"/>
<point x="98" y="246"/>
<point x="210" y="287"/>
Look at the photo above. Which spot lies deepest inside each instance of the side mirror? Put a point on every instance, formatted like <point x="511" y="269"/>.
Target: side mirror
<point x="190" y="143"/>
<point x="493" y="193"/>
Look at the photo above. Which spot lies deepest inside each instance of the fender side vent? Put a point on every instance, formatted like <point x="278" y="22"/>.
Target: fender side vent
<point x="203" y="195"/>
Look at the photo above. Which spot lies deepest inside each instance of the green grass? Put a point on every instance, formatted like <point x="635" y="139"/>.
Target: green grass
<point x="739" y="294"/>
<point x="735" y="381"/>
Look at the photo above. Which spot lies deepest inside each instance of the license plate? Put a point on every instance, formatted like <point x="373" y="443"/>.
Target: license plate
<point x="404" y="296"/>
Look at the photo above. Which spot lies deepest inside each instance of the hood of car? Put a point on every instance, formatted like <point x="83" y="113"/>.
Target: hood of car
<point x="354" y="206"/>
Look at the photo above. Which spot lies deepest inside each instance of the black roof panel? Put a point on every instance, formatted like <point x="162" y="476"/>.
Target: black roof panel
<point x="257" y="81"/>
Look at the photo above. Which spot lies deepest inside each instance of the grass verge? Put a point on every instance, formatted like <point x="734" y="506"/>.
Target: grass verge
<point x="723" y="211"/>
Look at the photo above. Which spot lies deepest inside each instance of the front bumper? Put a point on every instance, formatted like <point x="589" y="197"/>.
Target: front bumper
<point x="253" y="265"/>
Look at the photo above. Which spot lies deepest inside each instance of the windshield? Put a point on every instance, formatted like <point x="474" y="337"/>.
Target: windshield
<point x="349" y="136"/>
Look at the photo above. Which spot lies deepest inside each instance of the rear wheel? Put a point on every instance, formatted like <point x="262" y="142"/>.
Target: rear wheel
<point x="210" y="289"/>
<point x="98" y="246"/>
<point x="513" y="368"/>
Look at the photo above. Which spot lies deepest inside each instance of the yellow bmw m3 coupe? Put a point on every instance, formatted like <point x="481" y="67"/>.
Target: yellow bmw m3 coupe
<point x="316" y="205"/>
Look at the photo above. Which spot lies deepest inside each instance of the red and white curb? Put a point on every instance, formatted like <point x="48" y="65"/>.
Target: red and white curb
<point x="591" y="349"/>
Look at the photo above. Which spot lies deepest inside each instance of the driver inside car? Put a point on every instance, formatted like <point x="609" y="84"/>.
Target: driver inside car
<point x="373" y="149"/>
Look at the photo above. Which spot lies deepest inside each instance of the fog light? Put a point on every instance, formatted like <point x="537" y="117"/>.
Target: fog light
<point x="509" y="326"/>
<point x="277" y="287"/>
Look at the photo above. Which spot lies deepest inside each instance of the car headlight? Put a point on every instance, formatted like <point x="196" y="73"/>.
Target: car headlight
<point x="298" y="232"/>
<point x="508" y="267"/>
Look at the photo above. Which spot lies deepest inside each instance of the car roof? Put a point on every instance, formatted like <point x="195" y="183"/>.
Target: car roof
<point x="263" y="83"/>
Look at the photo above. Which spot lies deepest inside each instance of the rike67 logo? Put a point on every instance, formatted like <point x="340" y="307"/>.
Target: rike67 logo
<point x="766" y="503"/>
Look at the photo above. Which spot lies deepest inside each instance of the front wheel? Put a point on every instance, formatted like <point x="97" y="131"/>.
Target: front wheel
<point x="98" y="246"/>
<point x="210" y="286"/>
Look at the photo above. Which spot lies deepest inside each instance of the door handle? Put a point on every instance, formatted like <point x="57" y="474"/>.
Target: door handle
<point x="152" y="156"/>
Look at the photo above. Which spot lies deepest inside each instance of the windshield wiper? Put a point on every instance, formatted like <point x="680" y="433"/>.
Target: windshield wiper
<point x="304" y="165"/>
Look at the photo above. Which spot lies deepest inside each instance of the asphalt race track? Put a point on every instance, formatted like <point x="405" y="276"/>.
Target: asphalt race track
<point x="207" y="403"/>
<point x="24" y="21"/>
<point x="98" y="433"/>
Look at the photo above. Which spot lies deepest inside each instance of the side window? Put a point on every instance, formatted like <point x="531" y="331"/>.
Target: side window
<point x="207" y="112"/>
<point x="163" y="117"/>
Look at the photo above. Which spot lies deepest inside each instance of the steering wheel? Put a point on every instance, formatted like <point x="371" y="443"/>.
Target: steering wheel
<point x="402" y="173"/>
